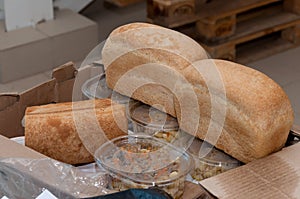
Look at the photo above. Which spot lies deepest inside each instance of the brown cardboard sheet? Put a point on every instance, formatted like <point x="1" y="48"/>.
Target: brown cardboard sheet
<point x="194" y="191"/>
<point x="276" y="176"/>
<point x="11" y="149"/>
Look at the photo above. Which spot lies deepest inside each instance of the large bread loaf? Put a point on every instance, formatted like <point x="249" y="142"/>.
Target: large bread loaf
<point x="257" y="113"/>
<point x="71" y="132"/>
<point x="138" y="44"/>
<point x="250" y="111"/>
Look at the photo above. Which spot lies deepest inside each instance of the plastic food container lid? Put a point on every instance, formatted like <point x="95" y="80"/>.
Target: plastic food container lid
<point x="96" y="87"/>
<point x="151" y="117"/>
<point x="143" y="159"/>
<point x="206" y="152"/>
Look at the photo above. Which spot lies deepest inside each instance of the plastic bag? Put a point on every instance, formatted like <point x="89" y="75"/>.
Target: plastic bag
<point x="28" y="178"/>
<point x="151" y="193"/>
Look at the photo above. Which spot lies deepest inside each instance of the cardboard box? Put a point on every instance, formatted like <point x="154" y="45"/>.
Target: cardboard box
<point x="276" y="176"/>
<point x="23" y="52"/>
<point x="71" y="35"/>
<point x="32" y="50"/>
<point x="61" y="88"/>
<point x="12" y="106"/>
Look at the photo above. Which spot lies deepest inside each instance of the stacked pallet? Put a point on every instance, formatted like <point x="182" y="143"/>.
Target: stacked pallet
<point x="237" y="30"/>
<point x="122" y="3"/>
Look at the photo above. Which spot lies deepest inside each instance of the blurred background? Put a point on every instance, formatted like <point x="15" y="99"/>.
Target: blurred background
<point x="39" y="35"/>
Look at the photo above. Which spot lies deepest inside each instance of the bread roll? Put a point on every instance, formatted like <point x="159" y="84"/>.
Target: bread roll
<point x="250" y="111"/>
<point x="71" y="132"/>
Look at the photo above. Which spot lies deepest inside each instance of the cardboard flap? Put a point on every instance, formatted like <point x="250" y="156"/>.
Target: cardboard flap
<point x="60" y="88"/>
<point x="64" y="91"/>
<point x="41" y="94"/>
<point x="64" y="72"/>
<point x="296" y="130"/>
<point x="276" y="176"/>
<point x="7" y="100"/>
<point x="195" y="191"/>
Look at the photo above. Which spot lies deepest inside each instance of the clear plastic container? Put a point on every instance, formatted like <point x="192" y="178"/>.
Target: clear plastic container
<point x="141" y="161"/>
<point x="150" y="121"/>
<point x="209" y="161"/>
<point x="96" y="88"/>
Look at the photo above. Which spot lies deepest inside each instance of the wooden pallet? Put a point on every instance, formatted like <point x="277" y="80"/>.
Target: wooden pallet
<point x="294" y="136"/>
<point x="122" y="3"/>
<point x="255" y="38"/>
<point x="215" y="18"/>
<point x="217" y="22"/>
<point x="171" y="13"/>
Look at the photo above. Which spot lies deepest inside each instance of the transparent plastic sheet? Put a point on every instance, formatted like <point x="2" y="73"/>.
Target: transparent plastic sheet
<point x="28" y="178"/>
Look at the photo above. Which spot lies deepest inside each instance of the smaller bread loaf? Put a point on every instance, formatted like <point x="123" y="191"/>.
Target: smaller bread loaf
<point x="71" y="132"/>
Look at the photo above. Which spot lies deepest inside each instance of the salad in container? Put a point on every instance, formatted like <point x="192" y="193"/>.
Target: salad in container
<point x="142" y="161"/>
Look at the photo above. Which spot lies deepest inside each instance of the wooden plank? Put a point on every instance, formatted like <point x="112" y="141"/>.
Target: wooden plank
<point x="260" y="26"/>
<point x="270" y="9"/>
<point x="292" y="34"/>
<point x="122" y="3"/>
<point x="221" y="28"/>
<point x="174" y="22"/>
<point x="292" y="6"/>
<point x="225" y="51"/>
<point x="171" y="14"/>
<point x="223" y="8"/>
<point x="262" y="48"/>
<point x="264" y="25"/>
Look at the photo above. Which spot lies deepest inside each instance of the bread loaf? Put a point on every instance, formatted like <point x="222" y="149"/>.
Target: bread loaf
<point x="71" y="132"/>
<point x="137" y="44"/>
<point x="258" y="114"/>
<point x="250" y="111"/>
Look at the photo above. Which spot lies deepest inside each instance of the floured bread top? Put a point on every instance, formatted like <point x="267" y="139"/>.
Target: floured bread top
<point x="139" y="36"/>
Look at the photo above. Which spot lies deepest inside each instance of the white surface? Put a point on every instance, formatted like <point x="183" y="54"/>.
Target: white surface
<point x="46" y="195"/>
<point x="20" y="140"/>
<point x="4" y="197"/>
<point x="26" y="13"/>
<point x="76" y="6"/>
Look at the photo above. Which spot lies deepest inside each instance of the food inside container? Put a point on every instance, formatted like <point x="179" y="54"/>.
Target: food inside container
<point x="142" y="161"/>
<point x="149" y="120"/>
<point x="96" y="87"/>
<point x="209" y="161"/>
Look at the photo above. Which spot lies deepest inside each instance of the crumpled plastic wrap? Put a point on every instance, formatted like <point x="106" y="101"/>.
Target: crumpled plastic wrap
<point x="28" y="178"/>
